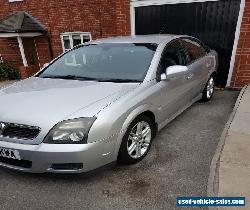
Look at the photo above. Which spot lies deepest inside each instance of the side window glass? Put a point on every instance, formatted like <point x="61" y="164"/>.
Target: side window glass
<point x="194" y="50"/>
<point x="174" y="54"/>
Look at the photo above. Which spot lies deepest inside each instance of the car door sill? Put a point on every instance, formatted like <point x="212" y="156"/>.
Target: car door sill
<point x="164" y="123"/>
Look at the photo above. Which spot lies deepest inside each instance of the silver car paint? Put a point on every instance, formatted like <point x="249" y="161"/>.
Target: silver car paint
<point x="45" y="102"/>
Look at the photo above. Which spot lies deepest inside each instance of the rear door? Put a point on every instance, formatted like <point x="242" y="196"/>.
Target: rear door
<point x="197" y="70"/>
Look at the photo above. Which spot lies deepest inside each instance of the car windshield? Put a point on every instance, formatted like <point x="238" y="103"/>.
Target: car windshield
<point x="111" y="62"/>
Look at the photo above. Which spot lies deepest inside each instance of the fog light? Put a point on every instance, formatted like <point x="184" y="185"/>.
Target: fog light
<point x="67" y="166"/>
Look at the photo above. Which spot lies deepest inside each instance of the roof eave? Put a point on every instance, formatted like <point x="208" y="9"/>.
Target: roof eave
<point x="22" y="34"/>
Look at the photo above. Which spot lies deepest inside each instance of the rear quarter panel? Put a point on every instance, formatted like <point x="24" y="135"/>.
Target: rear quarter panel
<point x="215" y="61"/>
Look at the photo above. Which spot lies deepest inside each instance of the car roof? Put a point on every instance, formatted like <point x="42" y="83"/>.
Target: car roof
<point x="157" y="39"/>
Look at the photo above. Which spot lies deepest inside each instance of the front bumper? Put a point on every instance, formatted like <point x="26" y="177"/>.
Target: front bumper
<point x="43" y="156"/>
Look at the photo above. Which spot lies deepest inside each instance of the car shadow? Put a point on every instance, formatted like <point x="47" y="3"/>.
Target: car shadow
<point x="93" y="175"/>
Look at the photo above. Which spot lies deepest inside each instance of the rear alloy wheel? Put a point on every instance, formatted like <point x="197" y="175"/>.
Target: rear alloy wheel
<point x="136" y="141"/>
<point x="208" y="92"/>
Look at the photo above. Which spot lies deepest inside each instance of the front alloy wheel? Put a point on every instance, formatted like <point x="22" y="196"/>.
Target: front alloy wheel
<point x="137" y="140"/>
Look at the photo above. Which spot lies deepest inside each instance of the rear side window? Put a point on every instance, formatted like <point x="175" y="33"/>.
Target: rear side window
<point x="194" y="49"/>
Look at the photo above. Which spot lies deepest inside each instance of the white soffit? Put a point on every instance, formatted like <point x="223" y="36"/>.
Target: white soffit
<point x="27" y="34"/>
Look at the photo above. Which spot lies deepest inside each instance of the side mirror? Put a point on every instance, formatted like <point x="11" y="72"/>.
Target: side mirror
<point x="175" y="70"/>
<point x="172" y="71"/>
<point x="45" y="65"/>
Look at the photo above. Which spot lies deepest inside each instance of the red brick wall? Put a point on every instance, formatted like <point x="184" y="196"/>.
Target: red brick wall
<point x="43" y="52"/>
<point x="103" y="18"/>
<point x="123" y="17"/>
<point x="9" y="51"/>
<point x="241" y="72"/>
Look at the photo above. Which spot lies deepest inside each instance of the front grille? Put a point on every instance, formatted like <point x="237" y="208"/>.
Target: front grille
<point x="19" y="163"/>
<point x="18" y="131"/>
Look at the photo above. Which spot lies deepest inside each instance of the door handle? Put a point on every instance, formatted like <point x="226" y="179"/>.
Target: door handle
<point x="190" y="76"/>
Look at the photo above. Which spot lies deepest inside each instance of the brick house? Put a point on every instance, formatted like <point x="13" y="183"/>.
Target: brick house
<point x="33" y="32"/>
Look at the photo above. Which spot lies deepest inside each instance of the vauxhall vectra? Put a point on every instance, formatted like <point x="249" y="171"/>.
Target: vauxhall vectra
<point x="102" y="102"/>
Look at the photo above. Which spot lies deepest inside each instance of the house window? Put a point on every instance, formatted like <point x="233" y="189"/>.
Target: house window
<point x="72" y="39"/>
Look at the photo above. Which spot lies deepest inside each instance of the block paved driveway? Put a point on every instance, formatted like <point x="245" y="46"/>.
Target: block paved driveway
<point x="177" y="165"/>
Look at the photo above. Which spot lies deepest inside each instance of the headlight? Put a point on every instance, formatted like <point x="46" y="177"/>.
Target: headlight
<point x="70" y="131"/>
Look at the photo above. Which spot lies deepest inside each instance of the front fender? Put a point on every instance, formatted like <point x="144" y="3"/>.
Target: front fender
<point x="132" y="115"/>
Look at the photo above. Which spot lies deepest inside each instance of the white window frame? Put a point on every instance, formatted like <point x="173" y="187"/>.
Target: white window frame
<point x="71" y="34"/>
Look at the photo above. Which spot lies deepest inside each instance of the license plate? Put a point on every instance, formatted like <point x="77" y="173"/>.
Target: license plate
<point x="9" y="153"/>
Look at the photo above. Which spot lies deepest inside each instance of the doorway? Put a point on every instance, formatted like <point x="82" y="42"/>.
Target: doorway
<point x="31" y="53"/>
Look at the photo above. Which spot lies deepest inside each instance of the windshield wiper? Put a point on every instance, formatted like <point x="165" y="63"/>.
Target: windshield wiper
<point x="74" y="77"/>
<point x="70" y="77"/>
<point x="120" y="80"/>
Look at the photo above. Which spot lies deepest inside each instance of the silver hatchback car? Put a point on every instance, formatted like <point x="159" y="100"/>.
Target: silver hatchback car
<point x="102" y="102"/>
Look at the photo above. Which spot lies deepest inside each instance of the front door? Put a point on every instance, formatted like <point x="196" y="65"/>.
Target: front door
<point x="173" y="90"/>
<point x="31" y="53"/>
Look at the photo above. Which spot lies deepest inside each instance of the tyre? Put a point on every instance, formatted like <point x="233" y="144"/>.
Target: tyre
<point x="208" y="91"/>
<point x="137" y="140"/>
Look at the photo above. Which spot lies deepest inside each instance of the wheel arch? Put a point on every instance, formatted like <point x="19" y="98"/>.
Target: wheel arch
<point x="214" y="73"/>
<point x="151" y="115"/>
<point x="141" y="110"/>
